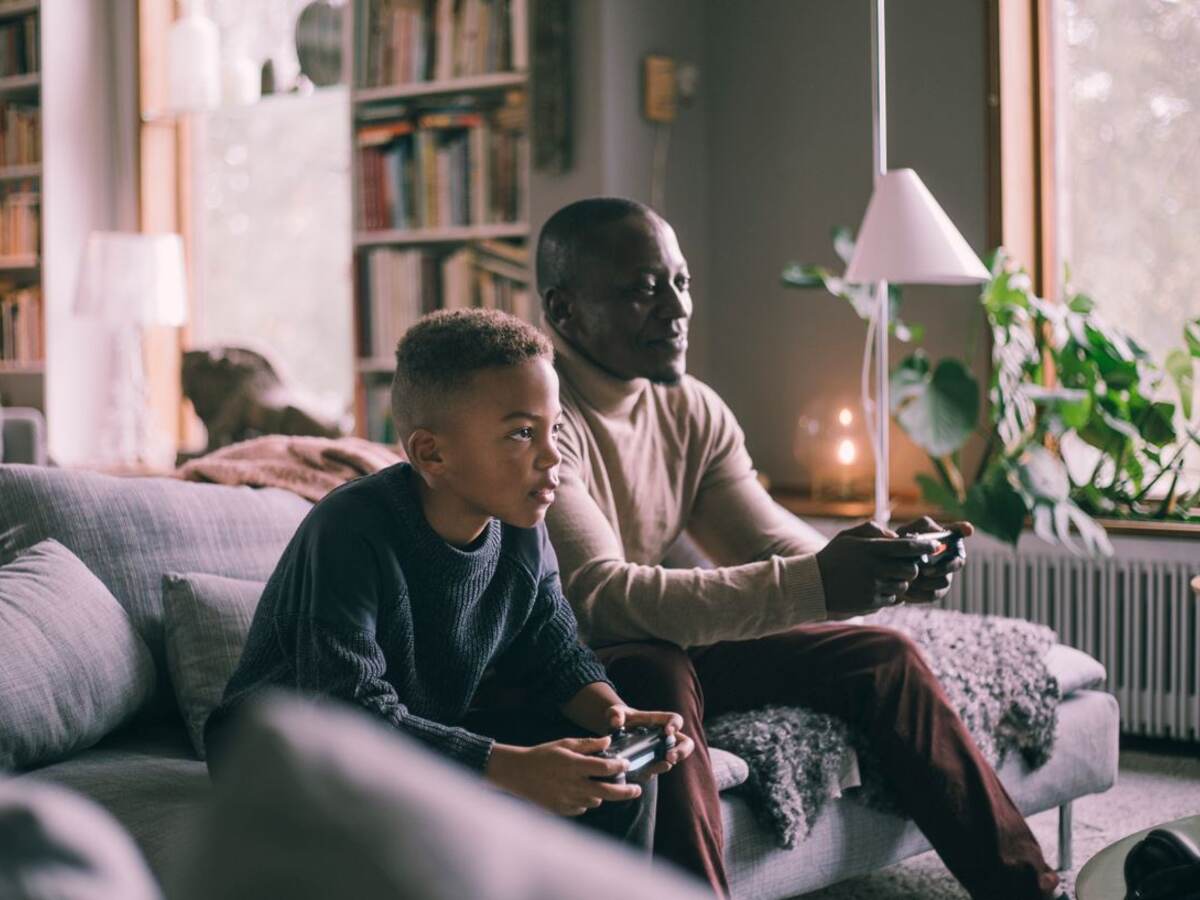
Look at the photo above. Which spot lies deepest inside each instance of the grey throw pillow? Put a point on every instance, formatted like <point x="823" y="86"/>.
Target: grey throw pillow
<point x="58" y="845"/>
<point x="321" y="800"/>
<point x="207" y="618"/>
<point x="72" y="667"/>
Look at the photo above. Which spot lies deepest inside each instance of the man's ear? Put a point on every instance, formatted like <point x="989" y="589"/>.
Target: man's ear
<point x="559" y="308"/>
<point x="424" y="452"/>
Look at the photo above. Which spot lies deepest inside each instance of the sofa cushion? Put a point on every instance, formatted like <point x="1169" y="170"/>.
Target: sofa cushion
<point x="72" y="666"/>
<point x="59" y="845"/>
<point x="377" y="815"/>
<point x="131" y="531"/>
<point x="207" y="620"/>
<point x="148" y="777"/>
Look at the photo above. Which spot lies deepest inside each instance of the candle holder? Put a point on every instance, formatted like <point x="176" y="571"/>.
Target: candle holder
<point x="833" y="443"/>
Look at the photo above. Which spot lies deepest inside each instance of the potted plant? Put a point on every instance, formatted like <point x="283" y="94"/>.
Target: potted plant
<point x="1064" y="385"/>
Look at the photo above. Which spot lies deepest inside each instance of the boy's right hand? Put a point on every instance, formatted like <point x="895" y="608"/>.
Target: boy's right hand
<point x="560" y="775"/>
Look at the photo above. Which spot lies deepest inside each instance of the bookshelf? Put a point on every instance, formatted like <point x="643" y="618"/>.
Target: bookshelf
<point x="22" y="319"/>
<point x="439" y="173"/>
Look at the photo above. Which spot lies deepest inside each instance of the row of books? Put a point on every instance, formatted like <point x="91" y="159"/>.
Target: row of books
<point x="21" y="326"/>
<point x="20" y="134"/>
<point x="397" y="286"/>
<point x="375" y="401"/>
<point x="405" y="41"/>
<point x="19" y="219"/>
<point x="441" y="169"/>
<point x="491" y="275"/>
<point x="19" y="46"/>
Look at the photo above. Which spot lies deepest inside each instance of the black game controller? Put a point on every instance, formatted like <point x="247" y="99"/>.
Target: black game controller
<point x="948" y="544"/>
<point x="641" y="747"/>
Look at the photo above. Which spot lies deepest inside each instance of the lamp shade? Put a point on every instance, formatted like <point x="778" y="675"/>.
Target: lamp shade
<point x="133" y="279"/>
<point x="907" y="238"/>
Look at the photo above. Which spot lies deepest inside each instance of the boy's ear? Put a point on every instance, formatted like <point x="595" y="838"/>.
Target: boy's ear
<point x="424" y="452"/>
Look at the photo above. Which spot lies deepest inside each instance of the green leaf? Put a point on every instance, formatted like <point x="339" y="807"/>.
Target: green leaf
<point x="1043" y="476"/>
<point x="843" y="243"/>
<point x="937" y="409"/>
<point x="1155" y="421"/>
<point x="1113" y="355"/>
<point x="1081" y="303"/>
<point x="935" y="493"/>
<point x="1095" y="539"/>
<point x="1108" y="433"/>
<point x="994" y="506"/>
<point x="1191" y="335"/>
<point x="1071" y="406"/>
<point x="803" y="275"/>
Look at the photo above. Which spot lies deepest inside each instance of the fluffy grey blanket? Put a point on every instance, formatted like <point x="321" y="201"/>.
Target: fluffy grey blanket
<point x="992" y="669"/>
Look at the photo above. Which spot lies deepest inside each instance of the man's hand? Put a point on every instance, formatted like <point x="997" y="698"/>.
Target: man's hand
<point x="867" y="567"/>
<point x="620" y="716"/>
<point x="933" y="582"/>
<point x="559" y="776"/>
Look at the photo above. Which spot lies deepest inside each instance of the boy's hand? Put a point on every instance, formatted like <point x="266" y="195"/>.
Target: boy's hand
<point x="559" y="776"/>
<point x="619" y="716"/>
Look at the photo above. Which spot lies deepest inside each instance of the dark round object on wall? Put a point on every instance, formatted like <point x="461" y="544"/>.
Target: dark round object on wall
<point x="319" y="42"/>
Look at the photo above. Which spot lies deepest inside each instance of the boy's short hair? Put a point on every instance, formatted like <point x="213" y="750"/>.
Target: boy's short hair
<point x="439" y="354"/>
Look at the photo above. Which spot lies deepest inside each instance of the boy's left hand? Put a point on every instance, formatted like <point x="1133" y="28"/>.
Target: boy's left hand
<point x="621" y="716"/>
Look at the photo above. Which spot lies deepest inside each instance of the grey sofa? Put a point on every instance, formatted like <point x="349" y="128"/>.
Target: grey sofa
<point x="129" y="532"/>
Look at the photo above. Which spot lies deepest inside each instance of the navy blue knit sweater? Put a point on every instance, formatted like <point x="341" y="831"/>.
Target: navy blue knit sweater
<point x="369" y="604"/>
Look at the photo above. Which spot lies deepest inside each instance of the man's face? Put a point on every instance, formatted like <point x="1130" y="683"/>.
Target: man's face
<point x="629" y="305"/>
<point x="500" y="443"/>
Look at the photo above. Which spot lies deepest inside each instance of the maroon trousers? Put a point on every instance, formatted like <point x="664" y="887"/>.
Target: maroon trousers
<point x="872" y="677"/>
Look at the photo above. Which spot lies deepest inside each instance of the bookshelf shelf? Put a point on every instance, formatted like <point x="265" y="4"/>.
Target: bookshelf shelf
<point x="376" y="365"/>
<point x="494" y="81"/>
<point x="18" y="8"/>
<point x="19" y="173"/>
<point x="20" y="84"/>
<point x="22" y="368"/>
<point x="454" y="235"/>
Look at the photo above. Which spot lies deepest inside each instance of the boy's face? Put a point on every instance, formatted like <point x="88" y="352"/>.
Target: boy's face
<point x="499" y="443"/>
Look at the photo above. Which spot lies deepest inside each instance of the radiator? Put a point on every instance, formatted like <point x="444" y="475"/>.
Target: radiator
<point x="1135" y="612"/>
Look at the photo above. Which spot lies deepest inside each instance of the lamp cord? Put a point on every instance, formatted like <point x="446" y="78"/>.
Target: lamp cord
<point x="868" y="404"/>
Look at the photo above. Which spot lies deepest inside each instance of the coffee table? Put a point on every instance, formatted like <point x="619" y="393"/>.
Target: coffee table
<point x="1103" y="878"/>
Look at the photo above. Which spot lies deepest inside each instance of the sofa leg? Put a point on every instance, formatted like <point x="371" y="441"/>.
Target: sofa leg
<point x="1064" y="837"/>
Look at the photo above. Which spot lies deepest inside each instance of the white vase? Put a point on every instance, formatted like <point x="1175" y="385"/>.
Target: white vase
<point x="193" y="73"/>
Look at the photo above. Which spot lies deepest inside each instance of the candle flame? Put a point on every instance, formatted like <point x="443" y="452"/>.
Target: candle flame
<point x="846" y="451"/>
<point x="845" y="417"/>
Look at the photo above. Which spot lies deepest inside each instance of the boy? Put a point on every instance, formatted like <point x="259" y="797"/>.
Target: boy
<point x="400" y="589"/>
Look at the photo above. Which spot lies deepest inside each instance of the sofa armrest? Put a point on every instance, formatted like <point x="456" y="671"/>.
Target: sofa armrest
<point x="24" y="436"/>
<point x="1074" y="669"/>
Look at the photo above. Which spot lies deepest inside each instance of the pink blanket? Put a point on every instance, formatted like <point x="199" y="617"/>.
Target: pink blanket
<point x="308" y="466"/>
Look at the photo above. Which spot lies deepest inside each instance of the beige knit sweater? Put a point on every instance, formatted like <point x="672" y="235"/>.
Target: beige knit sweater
<point x="641" y="464"/>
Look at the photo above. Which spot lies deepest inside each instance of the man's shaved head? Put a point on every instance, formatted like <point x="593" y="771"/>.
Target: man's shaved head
<point x="568" y="235"/>
<point x="615" y="285"/>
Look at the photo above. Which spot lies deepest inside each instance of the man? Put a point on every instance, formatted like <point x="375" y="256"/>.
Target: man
<point x="649" y="453"/>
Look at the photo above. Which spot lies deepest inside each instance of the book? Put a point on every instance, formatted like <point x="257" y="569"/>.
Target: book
<point x="408" y="41"/>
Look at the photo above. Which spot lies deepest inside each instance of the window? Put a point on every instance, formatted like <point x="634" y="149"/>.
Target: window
<point x="1126" y="88"/>
<point x="271" y="189"/>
